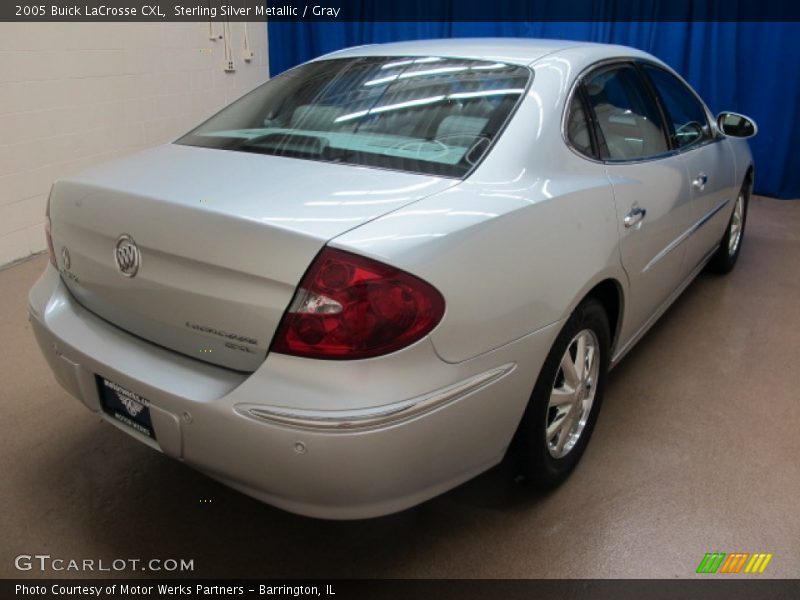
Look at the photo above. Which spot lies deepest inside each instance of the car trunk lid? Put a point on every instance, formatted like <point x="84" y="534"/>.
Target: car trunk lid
<point x="222" y="237"/>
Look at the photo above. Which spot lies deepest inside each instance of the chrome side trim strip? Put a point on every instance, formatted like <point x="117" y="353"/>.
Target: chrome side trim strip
<point x="349" y="420"/>
<point x="685" y="235"/>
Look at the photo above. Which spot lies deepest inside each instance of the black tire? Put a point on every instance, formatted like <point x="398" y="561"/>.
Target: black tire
<point x="725" y="257"/>
<point x="536" y="462"/>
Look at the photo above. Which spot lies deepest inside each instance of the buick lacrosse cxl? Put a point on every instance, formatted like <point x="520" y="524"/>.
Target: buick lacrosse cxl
<point x="366" y="281"/>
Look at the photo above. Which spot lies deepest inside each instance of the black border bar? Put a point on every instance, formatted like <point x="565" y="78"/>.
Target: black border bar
<point x="400" y="10"/>
<point x="707" y="588"/>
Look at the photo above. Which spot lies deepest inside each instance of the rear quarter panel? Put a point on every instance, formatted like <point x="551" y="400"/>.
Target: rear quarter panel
<point x="516" y="246"/>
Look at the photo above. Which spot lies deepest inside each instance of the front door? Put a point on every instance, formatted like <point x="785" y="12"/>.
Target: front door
<point x="712" y="186"/>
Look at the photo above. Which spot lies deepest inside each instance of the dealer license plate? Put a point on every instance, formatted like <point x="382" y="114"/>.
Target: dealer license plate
<point x="127" y="407"/>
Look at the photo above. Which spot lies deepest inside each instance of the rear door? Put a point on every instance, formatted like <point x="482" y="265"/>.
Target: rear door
<point x="650" y="187"/>
<point x="706" y="160"/>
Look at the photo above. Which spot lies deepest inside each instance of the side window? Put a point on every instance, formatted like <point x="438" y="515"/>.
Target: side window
<point x="578" y="127"/>
<point x="626" y="113"/>
<point x="683" y="109"/>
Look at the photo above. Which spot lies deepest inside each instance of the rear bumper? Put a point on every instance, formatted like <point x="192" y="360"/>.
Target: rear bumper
<point x="328" y="439"/>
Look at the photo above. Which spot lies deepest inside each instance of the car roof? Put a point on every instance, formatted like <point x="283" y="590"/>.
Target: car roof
<point x="522" y="51"/>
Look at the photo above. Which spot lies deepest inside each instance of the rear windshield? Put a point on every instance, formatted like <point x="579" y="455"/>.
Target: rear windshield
<point x="427" y="115"/>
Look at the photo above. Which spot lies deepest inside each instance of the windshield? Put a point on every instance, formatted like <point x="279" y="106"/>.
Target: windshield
<point x="425" y="115"/>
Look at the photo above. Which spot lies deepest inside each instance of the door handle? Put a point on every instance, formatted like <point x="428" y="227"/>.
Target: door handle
<point x="633" y="217"/>
<point x="700" y="182"/>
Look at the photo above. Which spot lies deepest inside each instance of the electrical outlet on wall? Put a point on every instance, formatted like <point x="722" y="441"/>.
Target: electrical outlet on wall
<point x="247" y="55"/>
<point x="230" y="66"/>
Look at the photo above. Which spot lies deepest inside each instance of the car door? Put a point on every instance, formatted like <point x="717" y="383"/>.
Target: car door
<point x="706" y="158"/>
<point x="650" y="188"/>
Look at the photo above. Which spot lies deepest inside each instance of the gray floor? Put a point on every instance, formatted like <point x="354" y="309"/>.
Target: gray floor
<point x="697" y="449"/>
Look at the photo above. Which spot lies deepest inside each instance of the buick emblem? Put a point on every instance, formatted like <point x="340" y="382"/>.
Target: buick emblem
<point x="127" y="256"/>
<point x="132" y="406"/>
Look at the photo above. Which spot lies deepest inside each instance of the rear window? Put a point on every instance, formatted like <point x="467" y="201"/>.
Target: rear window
<point x="427" y="115"/>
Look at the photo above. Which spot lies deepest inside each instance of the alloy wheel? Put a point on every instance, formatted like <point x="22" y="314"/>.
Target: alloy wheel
<point x="572" y="394"/>
<point x="737" y="220"/>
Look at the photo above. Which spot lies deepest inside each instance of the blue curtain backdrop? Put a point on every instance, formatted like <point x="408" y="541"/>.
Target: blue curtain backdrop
<point x="752" y="68"/>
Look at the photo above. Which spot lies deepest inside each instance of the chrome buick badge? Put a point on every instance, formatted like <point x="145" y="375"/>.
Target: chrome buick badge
<point x="127" y="256"/>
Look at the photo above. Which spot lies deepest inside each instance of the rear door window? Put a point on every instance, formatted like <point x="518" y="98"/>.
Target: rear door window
<point x="579" y="133"/>
<point x="626" y="113"/>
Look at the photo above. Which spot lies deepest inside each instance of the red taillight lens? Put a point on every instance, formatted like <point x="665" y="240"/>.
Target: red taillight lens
<point x="350" y="307"/>
<point x="50" y="250"/>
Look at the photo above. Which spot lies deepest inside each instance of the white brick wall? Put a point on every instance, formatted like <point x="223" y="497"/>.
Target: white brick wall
<point x="76" y="94"/>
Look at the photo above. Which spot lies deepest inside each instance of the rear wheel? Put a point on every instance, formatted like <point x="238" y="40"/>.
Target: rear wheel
<point x="566" y="399"/>
<point x="726" y="255"/>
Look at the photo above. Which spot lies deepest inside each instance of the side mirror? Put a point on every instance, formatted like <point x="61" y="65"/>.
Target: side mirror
<point x="735" y="125"/>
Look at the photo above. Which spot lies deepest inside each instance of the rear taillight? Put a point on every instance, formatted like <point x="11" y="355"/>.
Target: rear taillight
<point x="48" y="236"/>
<point x="348" y="307"/>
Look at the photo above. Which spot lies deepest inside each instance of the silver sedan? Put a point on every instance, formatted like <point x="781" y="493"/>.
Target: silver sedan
<point x="372" y="277"/>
